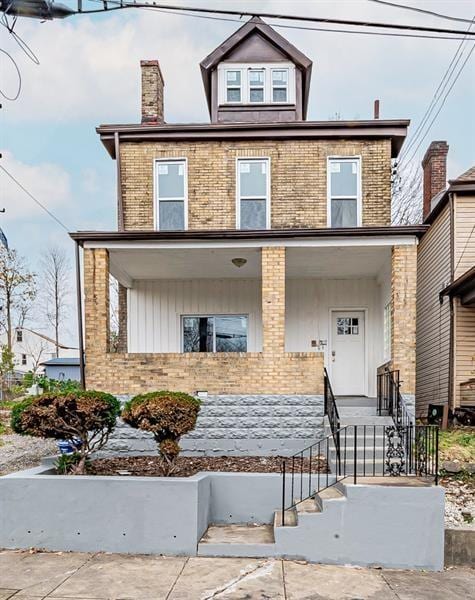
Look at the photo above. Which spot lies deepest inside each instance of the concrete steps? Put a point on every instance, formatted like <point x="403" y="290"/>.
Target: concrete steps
<point x="247" y="541"/>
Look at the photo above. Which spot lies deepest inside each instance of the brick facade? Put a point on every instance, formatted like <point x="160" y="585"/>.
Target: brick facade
<point x="273" y="371"/>
<point x="298" y="180"/>
<point x="403" y="334"/>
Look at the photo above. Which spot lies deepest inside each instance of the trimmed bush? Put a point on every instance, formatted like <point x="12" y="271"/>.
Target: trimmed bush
<point x="88" y="416"/>
<point x="168" y="416"/>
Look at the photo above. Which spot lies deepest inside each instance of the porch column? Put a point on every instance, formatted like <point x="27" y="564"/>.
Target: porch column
<point x="273" y="300"/>
<point x="96" y="302"/>
<point x="403" y="333"/>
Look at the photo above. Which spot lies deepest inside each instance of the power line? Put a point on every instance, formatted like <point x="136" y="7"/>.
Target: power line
<point x="40" y="204"/>
<point x="442" y="104"/>
<point x="15" y="97"/>
<point x="464" y="248"/>
<point x="421" y="10"/>
<point x="436" y="96"/>
<point x="302" y="27"/>
<point x="241" y="13"/>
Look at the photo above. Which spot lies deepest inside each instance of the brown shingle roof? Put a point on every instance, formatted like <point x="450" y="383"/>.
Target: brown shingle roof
<point x="467" y="176"/>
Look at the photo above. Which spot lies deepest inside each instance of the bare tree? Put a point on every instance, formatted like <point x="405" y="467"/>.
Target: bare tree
<point x="17" y="291"/>
<point x="406" y="195"/>
<point x="56" y="269"/>
<point x="36" y="349"/>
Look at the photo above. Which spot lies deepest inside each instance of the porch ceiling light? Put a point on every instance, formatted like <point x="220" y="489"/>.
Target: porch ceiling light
<point x="239" y="262"/>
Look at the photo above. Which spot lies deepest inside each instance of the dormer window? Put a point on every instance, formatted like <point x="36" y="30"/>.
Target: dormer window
<point x="256" y="84"/>
<point x="233" y="86"/>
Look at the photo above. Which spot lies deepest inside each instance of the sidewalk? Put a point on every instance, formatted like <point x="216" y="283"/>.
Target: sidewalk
<point x="33" y="576"/>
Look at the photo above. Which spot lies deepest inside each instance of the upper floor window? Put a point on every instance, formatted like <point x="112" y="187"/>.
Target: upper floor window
<point x="23" y="359"/>
<point x="344" y="192"/>
<point x="171" y="193"/>
<point x="19" y="335"/>
<point x="253" y="193"/>
<point x="271" y="83"/>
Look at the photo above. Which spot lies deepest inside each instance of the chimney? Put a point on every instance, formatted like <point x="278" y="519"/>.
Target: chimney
<point x="376" y="109"/>
<point x="152" y="92"/>
<point x="434" y="166"/>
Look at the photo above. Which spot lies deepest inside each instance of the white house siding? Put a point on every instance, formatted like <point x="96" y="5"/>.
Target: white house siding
<point x="464" y="234"/>
<point x="433" y="318"/>
<point x="308" y="305"/>
<point x="155" y="309"/>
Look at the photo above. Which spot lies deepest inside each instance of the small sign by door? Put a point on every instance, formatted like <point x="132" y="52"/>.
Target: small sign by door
<point x="347" y="353"/>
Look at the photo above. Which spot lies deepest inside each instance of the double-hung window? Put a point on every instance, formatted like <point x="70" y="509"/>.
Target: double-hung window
<point x="344" y="196"/>
<point x="171" y="194"/>
<point x="280" y="83"/>
<point x="233" y="86"/>
<point x="256" y="85"/>
<point x="215" y="333"/>
<point x="253" y="191"/>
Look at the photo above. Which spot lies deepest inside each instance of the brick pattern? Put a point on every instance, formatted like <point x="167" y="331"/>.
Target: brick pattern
<point x="434" y="165"/>
<point x="152" y="92"/>
<point x="122" y="317"/>
<point x="271" y="372"/>
<point x="273" y="300"/>
<point x="403" y="335"/>
<point x="298" y="180"/>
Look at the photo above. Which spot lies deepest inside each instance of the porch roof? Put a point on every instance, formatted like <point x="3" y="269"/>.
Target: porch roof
<point x="349" y="233"/>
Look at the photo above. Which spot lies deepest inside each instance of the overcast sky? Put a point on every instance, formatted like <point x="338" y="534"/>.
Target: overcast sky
<point x="89" y="74"/>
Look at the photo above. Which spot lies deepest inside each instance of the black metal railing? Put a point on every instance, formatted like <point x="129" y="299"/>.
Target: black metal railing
<point x="364" y="451"/>
<point x="390" y="401"/>
<point x="331" y="411"/>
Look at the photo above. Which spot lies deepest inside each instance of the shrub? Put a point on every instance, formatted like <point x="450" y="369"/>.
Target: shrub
<point x="168" y="415"/>
<point x="89" y="416"/>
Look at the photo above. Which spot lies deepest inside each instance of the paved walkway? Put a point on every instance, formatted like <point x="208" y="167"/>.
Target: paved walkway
<point x="68" y="576"/>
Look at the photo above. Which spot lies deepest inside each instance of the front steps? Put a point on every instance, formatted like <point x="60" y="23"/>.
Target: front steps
<point x="373" y="523"/>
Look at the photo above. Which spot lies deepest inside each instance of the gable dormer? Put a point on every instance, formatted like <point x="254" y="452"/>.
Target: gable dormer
<point x="256" y="75"/>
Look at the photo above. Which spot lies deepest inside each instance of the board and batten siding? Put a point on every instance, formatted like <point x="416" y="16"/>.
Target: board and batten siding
<point x="433" y="318"/>
<point x="156" y="307"/>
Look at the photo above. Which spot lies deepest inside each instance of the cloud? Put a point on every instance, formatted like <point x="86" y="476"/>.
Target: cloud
<point x="48" y="182"/>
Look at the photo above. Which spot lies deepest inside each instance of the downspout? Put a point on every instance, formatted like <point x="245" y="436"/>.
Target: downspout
<point x="80" y="325"/>
<point x="450" y="399"/>
<point x="120" y="208"/>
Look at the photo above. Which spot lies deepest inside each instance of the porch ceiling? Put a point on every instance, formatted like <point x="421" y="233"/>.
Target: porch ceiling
<point x="336" y="262"/>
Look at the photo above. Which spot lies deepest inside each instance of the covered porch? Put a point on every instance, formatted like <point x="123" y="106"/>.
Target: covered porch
<point x="253" y="317"/>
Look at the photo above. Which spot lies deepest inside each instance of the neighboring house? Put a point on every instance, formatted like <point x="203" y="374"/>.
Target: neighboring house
<point x="62" y="369"/>
<point x="254" y="250"/>
<point x="31" y="348"/>
<point x="446" y="287"/>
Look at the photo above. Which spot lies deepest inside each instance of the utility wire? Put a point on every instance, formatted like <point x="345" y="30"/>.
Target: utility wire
<point x="421" y="10"/>
<point x="464" y="248"/>
<point x="21" y="42"/>
<point x="15" y="96"/>
<point x="436" y="96"/>
<point x="40" y="204"/>
<point x="241" y="13"/>
<point x="302" y="27"/>
<point x="442" y="104"/>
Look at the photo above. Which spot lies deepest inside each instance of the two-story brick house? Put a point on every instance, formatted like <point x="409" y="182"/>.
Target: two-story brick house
<point x="252" y="251"/>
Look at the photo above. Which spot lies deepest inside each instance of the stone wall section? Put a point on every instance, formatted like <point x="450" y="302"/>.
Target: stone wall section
<point x="298" y="180"/>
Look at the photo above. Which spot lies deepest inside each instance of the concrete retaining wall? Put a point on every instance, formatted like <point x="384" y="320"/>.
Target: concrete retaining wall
<point x="259" y="425"/>
<point x="400" y="527"/>
<point x="460" y="547"/>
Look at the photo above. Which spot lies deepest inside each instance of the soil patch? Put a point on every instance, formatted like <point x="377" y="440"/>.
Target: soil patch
<point x="151" y="466"/>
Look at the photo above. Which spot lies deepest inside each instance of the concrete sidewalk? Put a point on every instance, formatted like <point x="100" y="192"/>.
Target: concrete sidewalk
<point x="76" y="576"/>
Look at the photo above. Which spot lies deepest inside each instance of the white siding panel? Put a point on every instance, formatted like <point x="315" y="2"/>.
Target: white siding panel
<point x="308" y="304"/>
<point x="156" y="308"/>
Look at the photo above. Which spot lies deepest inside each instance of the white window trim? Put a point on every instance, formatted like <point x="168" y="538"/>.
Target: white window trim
<point x="359" y="204"/>
<point x="245" y="68"/>
<point x="156" y="200"/>
<point x="262" y="87"/>
<point x="277" y="86"/>
<point x="209" y="315"/>
<point x="238" y="187"/>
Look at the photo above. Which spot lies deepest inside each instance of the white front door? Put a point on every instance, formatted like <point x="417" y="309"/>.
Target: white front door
<point x="347" y="353"/>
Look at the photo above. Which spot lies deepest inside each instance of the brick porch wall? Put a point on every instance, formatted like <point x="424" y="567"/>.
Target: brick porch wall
<point x="273" y="371"/>
<point x="403" y="334"/>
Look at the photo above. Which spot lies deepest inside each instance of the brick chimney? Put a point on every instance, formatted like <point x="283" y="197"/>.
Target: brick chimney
<point x="434" y="165"/>
<point x="152" y="92"/>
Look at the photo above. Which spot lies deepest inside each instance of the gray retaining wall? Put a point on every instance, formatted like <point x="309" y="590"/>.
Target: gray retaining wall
<point x="260" y="425"/>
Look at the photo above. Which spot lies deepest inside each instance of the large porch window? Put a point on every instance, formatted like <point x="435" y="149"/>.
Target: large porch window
<point x="214" y="333"/>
